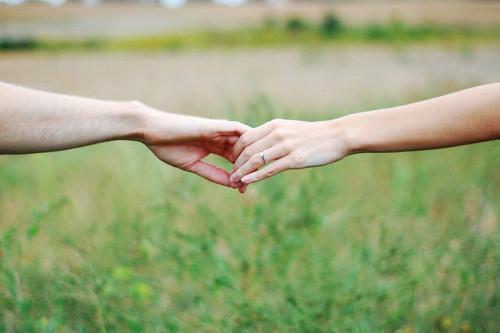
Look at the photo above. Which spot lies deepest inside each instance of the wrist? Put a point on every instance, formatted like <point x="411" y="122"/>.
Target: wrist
<point x="137" y="120"/>
<point x="151" y="126"/>
<point x="345" y="134"/>
<point x="128" y="120"/>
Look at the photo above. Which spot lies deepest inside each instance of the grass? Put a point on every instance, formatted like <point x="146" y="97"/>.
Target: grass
<point x="293" y="31"/>
<point x="107" y="239"/>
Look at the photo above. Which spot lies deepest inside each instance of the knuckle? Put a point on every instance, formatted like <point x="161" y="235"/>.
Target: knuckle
<point x="243" y="141"/>
<point x="279" y="134"/>
<point x="276" y="123"/>
<point x="287" y="145"/>
<point x="255" y="160"/>
<point x="298" y="159"/>
<point x="137" y="104"/>
<point x="270" y="172"/>
<point x="245" y="155"/>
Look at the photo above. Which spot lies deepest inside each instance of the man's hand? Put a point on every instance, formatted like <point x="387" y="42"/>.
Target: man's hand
<point x="184" y="141"/>
<point x="33" y="121"/>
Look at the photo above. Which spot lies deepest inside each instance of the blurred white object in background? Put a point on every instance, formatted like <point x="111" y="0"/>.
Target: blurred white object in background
<point x="277" y="2"/>
<point x="12" y="2"/>
<point x="229" y="2"/>
<point x="173" y="3"/>
<point x="180" y="3"/>
<point x="165" y="3"/>
<point x="18" y="2"/>
<point x="91" y="3"/>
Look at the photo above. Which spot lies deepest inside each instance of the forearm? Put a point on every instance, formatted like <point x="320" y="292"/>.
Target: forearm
<point x="34" y="121"/>
<point x="467" y="116"/>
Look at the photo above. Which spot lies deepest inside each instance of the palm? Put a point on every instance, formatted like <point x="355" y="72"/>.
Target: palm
<point x="180" y="155"/>
<point x="189" y="155"/>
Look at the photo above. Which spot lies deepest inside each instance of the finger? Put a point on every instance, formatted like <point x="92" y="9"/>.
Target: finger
<point x="255" y="148"/>
<point x="222" y="146"/>
<point x="210" y="172"/>
<point x="223" y="139"/>
<point x="270" y="170"/>
<point x="243" y="188"/>
<point x="227" y="127"/>
<point x="227" y="147"/>
<point x="230" y="140"/>
<point x="256" y="162"/>
<point x="224" y="152"/>
<point x="251" y="136"/>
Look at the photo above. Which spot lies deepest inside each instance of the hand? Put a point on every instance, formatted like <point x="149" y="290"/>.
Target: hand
<point x="289" y="144"/>
<point x="184" y="141"/>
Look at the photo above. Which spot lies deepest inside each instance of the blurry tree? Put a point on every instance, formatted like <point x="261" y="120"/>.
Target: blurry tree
<point x="295" y="24"/>
<point x="331" y="25"/>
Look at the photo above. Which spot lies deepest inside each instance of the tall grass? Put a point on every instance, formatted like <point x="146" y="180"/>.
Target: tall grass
<point x="107" y="239"/>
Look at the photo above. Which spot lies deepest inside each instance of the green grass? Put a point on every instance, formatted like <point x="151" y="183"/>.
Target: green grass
<point x="107" y="239"/>
<point x="294" y="31"/>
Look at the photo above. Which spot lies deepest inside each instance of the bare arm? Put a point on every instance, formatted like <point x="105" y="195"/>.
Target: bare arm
<point x="34" y="121"/>
<point x="467" y="116"/>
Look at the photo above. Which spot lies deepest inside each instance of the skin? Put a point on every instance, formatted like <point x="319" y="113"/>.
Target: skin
<point x="464" y="117"/>
<point x="34" y="121"/>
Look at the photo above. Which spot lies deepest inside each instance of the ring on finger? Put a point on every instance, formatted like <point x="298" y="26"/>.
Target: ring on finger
<point x="263" y="157"/>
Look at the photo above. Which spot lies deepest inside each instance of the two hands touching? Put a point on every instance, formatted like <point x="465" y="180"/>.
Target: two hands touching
<point x="184" y="141"/>
<point x="464" y="117"/>
<point x="33" y="121"/>
<point x="289" y="144"/>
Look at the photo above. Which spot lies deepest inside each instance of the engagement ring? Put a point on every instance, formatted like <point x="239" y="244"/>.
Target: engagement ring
<point x="263" y="157"/>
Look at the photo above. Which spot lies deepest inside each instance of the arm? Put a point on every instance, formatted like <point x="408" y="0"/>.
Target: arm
<point x="33" y="121"/>
<point x="464" y="117"/>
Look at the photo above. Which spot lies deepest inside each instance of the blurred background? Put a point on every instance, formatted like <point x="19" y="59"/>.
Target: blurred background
<point x="106" y="238"/>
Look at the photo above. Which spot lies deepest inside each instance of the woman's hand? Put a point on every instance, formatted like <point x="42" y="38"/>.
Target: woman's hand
<point x="184" y="141"/>
<point x="289" y="144"/>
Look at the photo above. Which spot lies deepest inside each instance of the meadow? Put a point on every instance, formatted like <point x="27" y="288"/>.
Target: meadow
<point x="108" y="239"/>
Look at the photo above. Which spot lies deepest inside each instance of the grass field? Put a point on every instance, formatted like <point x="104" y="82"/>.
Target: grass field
<point x="108" y="239"/>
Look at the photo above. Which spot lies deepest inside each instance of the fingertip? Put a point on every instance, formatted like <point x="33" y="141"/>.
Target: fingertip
<point x="242" y="188"/>
<point x="247" y="179"/>
<point x="237" y="127"/>
<point x="234" y="178"/>
<point x="211" y="173"/>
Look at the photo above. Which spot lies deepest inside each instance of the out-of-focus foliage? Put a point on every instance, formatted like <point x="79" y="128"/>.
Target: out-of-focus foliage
<point x="107" y="238"/>
<point x="273" y="32"/>
<point x="331" y="25"/>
